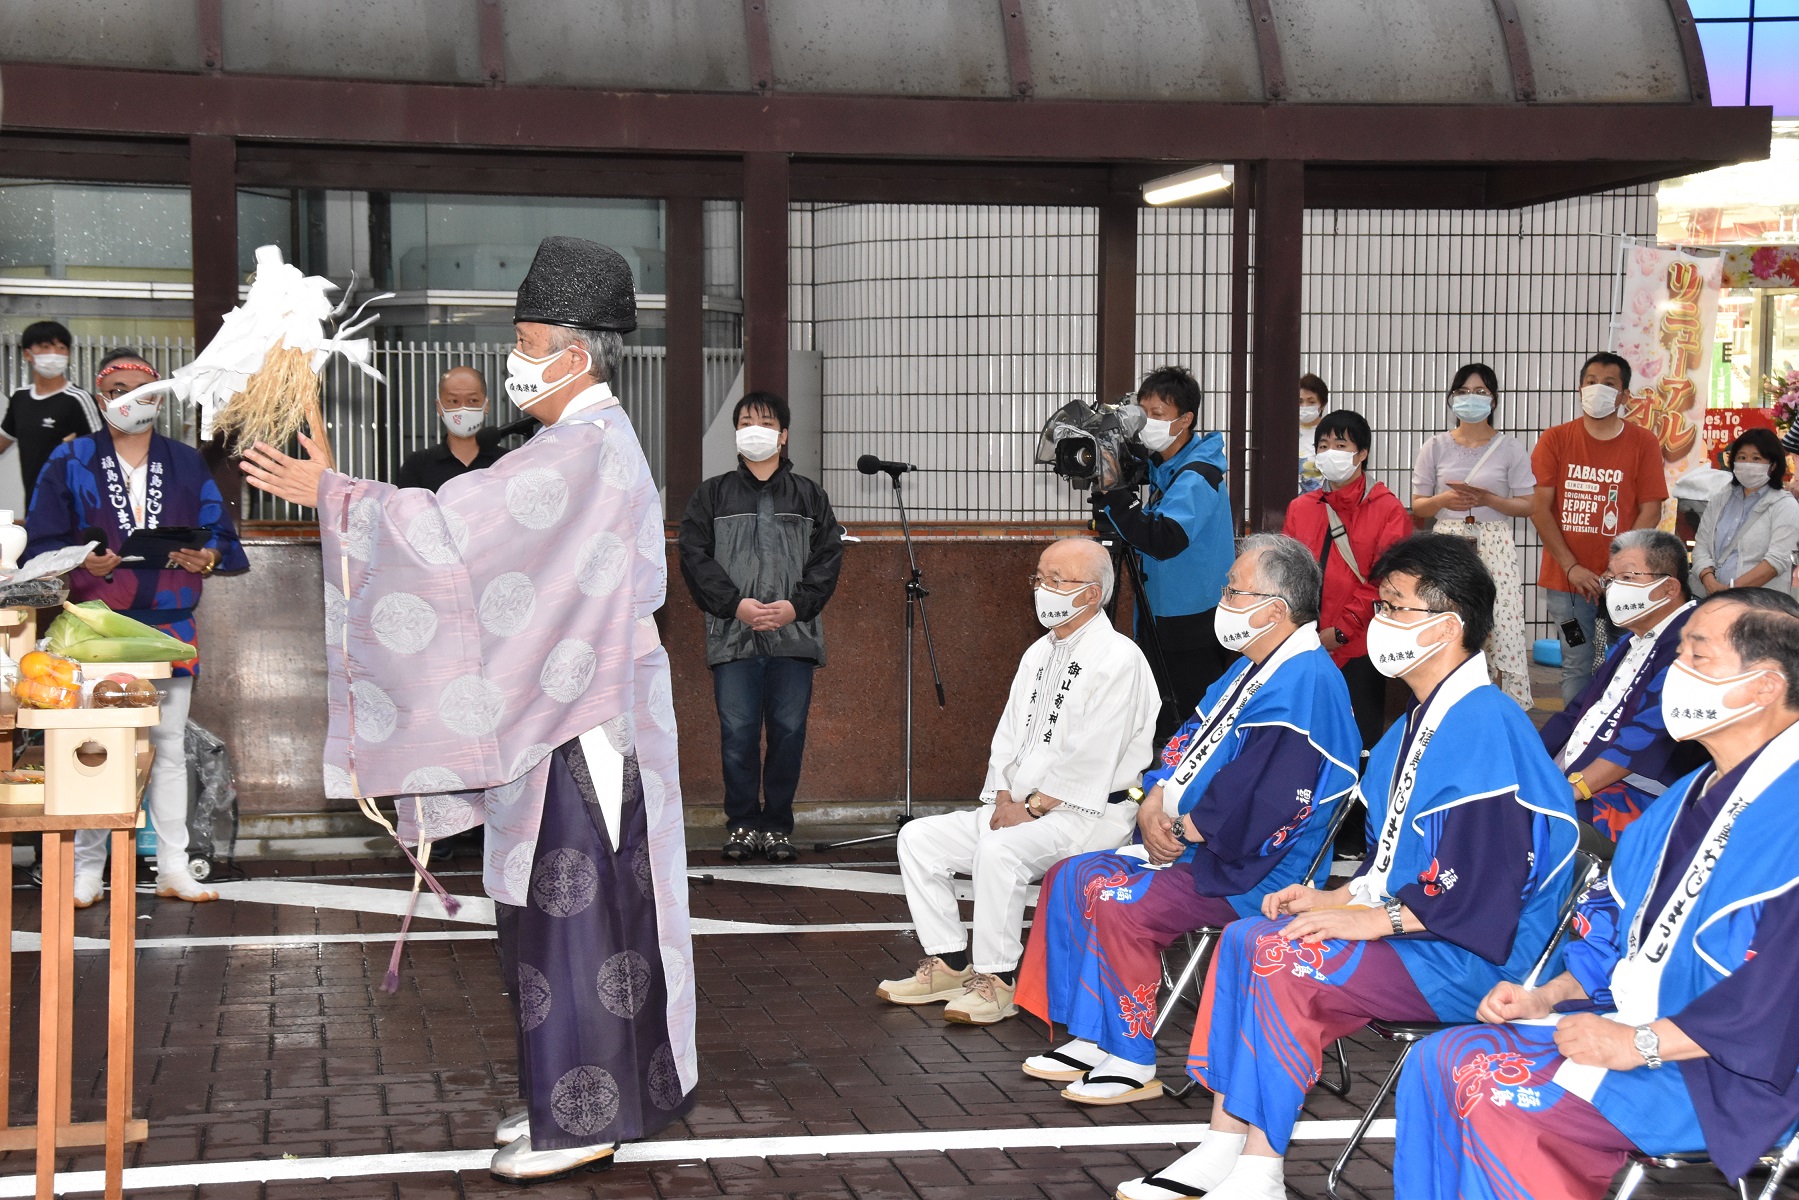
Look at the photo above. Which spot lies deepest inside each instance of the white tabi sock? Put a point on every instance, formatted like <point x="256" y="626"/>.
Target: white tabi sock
<point x="1081" y="1048"/>
<point x="1209" y="1163"/>
<point x="1255" y="1177"/>
<point x="1112" y="1065"/>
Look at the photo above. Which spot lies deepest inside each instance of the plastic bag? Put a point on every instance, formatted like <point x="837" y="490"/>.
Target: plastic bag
<point x="212" y="796"/>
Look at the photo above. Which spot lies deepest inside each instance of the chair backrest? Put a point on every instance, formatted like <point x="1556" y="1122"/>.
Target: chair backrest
<point x="1587" y="870"/>
<point x="1344" y="806"/>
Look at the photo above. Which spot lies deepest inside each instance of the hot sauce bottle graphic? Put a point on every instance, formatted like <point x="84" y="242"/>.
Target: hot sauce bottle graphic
<point x="1608" y="522"/>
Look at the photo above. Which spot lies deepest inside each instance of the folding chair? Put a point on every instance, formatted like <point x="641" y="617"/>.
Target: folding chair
<point x="1588" y="866"/>
<point x="1199" y="945"/>
<point x="1779" y="1161"/>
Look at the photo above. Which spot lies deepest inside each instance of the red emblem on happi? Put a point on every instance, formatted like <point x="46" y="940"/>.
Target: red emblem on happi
<point x="1436" y="881"/>
<point x="1139" y="1009"/>
<point x="1176" y="747"/>
<point x="1506" y="1067"/>
<point x="1274" y="952"/>
<point x="1098" y="884"/>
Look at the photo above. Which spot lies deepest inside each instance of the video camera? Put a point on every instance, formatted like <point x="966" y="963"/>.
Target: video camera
<point x="1095" y="445"/>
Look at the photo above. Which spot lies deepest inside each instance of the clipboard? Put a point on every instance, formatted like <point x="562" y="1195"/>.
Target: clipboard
<point x="153" y="546"/>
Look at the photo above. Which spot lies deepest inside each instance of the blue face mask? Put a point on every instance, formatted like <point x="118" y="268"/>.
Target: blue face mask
<point x="1472" y="408"/>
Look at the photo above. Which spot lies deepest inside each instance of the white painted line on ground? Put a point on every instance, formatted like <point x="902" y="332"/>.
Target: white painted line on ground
<point x="475" y="910"/>
<point x="362" y="1166"/>
<point x="832" y="879"/>
<point x="31" y="943"/>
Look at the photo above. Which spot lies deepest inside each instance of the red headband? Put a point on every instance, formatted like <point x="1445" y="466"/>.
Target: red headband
<point x="125" y="365"/>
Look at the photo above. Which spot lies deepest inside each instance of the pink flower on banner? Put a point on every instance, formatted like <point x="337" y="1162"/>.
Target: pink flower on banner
<point x="1765" y="263"/>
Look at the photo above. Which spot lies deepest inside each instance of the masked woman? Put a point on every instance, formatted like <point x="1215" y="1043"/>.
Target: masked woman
<point x="1472" y="480"/>
<point x="102" y="488"/>
<point x="1348" y="524"/>
<point x="1751" y="525"/>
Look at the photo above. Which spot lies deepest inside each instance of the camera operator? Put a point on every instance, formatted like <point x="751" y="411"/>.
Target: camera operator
<point x="1183" y="536"/>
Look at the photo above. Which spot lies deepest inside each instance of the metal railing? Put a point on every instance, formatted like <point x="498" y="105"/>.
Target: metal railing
<point x="375" y="426"/>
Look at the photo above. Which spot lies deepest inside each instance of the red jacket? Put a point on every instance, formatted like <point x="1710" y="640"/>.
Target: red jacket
<point x="1374" y="519"/>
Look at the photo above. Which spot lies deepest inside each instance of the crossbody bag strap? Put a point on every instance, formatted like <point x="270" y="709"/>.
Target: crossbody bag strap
<point x="1340" y="535"/>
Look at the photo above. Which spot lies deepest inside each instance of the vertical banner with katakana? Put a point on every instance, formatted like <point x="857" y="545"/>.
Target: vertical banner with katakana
<point x="1667" y="311"/>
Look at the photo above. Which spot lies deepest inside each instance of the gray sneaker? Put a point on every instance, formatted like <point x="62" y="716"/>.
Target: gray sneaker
<point x="743" y="844"/>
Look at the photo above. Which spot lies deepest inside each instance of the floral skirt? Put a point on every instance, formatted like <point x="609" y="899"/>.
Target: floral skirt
<point x="1508" y="650"/>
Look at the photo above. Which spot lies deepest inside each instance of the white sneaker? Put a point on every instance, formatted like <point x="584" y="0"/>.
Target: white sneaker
<point x="88" y="889"/>
<point x="518" y="1163"/>
<point x="512" y="1128"/>
<point x="179" y="885"/>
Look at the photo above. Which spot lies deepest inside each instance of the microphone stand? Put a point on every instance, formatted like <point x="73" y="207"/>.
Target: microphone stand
<point x="915" y="608"/>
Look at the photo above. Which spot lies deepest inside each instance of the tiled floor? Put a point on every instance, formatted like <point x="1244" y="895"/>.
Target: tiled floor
<point x="269" y="1053"/>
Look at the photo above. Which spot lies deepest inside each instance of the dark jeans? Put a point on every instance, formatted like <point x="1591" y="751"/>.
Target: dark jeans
<point x="754" y="693"/>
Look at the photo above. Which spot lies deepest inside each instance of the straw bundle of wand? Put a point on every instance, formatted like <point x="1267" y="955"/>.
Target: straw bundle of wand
<point x="279" y="398"/>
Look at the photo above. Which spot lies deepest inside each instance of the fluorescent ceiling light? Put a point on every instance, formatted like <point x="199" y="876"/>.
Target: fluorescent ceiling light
<point x="1200" y="181"/>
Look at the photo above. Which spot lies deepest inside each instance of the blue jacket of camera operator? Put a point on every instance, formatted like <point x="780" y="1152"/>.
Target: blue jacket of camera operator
<point x="1183" y="532"/>
<point x="1185" y="574"/>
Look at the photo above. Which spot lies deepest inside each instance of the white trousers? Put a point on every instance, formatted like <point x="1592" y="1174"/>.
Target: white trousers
<point x="1004" y="864"/>
<point x="166" y="795"/>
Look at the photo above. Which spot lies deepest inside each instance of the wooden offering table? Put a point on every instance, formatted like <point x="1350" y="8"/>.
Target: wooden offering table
<point x="96" y="764"/>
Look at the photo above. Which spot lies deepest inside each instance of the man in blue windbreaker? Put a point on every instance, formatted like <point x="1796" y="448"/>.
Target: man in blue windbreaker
<point x="1183" y="535"/>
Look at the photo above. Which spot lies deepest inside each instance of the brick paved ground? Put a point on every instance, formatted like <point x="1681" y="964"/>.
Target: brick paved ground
<point x="249" y="1053"/>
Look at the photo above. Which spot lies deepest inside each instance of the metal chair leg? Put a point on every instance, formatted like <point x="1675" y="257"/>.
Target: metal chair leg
<point x="1361" y="1129"/>
<point x="1341" y="1087"/>
<point x="1788" y="1157"/>
<point x="1633" y="1179"/>
<point x="1201" y="950"/>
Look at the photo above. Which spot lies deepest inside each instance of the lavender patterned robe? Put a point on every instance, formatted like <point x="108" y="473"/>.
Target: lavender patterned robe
<point x="472" y="632"/>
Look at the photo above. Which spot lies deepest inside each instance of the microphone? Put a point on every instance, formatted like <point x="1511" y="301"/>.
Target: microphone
<point x="868" y="464"/>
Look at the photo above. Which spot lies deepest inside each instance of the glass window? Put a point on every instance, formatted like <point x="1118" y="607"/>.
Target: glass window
<point x="1749" y="51"/>
<point x="1774" y="69"/>
<point x="94" y="231"/>
<point x="485" y="243"/>
<point x="1726" y="60"/>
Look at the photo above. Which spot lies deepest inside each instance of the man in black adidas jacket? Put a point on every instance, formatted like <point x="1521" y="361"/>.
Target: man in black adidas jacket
<point x="760" y="551"/>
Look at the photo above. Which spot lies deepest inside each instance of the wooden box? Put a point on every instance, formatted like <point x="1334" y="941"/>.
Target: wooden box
<point x="90" y="757"/>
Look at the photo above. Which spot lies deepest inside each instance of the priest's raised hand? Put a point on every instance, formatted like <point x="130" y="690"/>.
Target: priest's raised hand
<point x="293" y="479"/>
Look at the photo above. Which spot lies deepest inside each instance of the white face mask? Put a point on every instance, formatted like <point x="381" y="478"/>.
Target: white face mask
<point x="758" y="443"/>
<point x="1055" y="609"/>
<point x="1157" y="436"/>
<point x="1232" y="628"/>
<point x="1599" y="400"/>
<point x="1309" y="413"/>
<point x="463" y="422"/>
<point x="1337" y="466"/>
<point x="1393" y="648"/>
<point x="1472" y="408"/>
<point x="49" y="366"/>
<point x="131" y="413"/>
<point x="1693" y="704"/>
<point x="1628" y="601"/>
<point x="524" y="379"/>
<point x="1751" y="475"/>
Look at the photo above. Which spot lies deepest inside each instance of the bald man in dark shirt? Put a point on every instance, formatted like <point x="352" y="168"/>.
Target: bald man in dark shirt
<point x="462" y="407"/>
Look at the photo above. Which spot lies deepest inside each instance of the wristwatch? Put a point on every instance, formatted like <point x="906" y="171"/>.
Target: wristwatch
<point x="1648" y="1045"/>
<point x="1030" y="805"/>
<point x="1581" y="789"/>
<point x="1342" y="638"/>
<point x="1393" y="914"/>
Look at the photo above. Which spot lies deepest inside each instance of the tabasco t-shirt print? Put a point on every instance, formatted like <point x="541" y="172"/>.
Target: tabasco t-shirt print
<point x="1598" y="486"/>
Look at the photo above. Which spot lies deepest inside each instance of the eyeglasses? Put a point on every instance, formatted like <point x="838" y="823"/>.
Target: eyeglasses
<point x="1633" y="576"/>
<point x="1483" y="393"/>
<point x="1383" y="609"/>
<point x="1231" y="593"/>
<point x="1052" y="581"/>
<point x="113" y="393"/>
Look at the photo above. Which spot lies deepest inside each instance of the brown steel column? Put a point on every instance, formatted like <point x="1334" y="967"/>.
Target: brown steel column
<point x="684" y="379"/>
<point x="212" y="197"/>
<point x="765" y="191"/>
<point x="1274" y="419"/>
<point x="1116" y="371"/>
<point x="1243" y="189"/>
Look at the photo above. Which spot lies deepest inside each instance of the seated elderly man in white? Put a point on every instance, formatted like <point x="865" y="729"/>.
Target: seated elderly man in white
<point x="1076" y="733"/>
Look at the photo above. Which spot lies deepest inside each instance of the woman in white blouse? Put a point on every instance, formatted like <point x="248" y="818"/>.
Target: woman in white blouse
<point x="1472" y="480"/>
<point x="1751" y="525"/>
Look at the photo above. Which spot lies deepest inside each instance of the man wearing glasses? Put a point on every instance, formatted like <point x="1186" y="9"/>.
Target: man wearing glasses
<point x="1075" y="734"/>
<point x="1471" y="844"/>
<point x="1610" y="741"/>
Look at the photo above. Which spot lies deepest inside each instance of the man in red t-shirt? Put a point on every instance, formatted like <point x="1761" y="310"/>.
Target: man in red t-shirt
<point x="1597" y="476"/>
